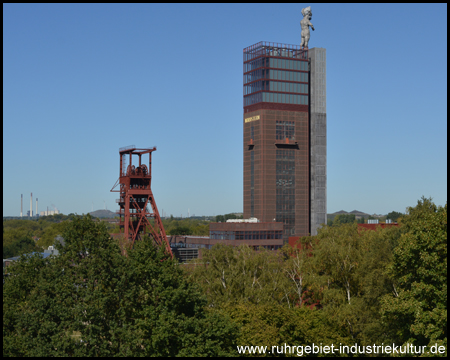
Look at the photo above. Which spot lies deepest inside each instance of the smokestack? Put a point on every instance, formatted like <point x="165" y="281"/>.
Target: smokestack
<point x="31" y="205"/>
<point x="36" y="206"/>
<point x="21" y="205"/>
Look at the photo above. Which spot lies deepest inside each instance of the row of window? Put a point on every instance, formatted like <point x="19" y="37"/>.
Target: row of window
<point x="246" y="235"/>
<point x="276" y="63"/>
<point x="256" y="86"/>
<point x="288" y="87"/>
<point x="276" y="86"/>
<point x="288" y="64"/>
<point x="288" y="75"/>
<point x="275" y="98"/>
<point x="276" y="75"/>
<point x="255" y="64"/>
<point x="204" y="246"/>
<point x="256" y="75"/>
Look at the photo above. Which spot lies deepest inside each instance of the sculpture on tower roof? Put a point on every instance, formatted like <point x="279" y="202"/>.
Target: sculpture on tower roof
<point x="305" y="23"/>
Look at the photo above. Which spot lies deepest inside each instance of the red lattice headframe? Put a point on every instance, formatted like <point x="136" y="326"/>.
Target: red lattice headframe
<point x="138" y="211"/>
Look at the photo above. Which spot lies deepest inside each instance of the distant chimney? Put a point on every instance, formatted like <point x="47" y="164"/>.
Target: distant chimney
<point x="37" y="206"/>
<point x="31" y="205"/>
<point x="21" y="205"/>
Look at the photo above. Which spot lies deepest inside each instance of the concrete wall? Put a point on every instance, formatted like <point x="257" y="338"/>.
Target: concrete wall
<point x="318" y="139"/>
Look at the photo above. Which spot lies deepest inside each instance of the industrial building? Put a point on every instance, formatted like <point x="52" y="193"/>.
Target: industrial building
<point x="268" y="235"/>
<point x="36" y="213"/>
<point x="249" y="232"/>
<point x="285" y="136"/>
<point x="253" y="233"/>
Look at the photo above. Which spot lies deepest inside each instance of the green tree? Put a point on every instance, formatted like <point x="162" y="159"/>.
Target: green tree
<point x="50" y="233"/>
<point x="18" y="237"/>
<point x="186" y="227"/>
<point x="298" y="269"/>
<point x="25" y="244"/>
<point x="272" y="324"/>
<point x="394" y="215"/>
<point x="128" y="306"/>
<point x="416" y="310"/>
<point x="220" y="218"/>
<point x="348" y="277"/>
<point x="179" y="230"/>
<point x="344" y="219"/>
<point x="230" y="274"/>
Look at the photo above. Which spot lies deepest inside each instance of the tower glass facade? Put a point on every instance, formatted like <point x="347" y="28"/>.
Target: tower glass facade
<point x="275" y="73"/>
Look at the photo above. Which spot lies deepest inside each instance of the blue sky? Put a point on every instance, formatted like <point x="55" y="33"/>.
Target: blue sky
<point x="80" y="81"/>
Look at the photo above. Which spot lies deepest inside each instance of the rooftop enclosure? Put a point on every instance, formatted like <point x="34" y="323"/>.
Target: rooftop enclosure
<point x="275" y="73"/>
<point x="138" y="212"/>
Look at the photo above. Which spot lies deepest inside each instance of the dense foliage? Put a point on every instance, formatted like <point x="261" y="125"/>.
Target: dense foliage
<point x="344" y="286"/>
<point x="345" y="219"/>
<point x="394" y="215"/>
<point x="186" y="227"/>
<point x="129" y="306"/>
<point x="22" y="236"/>
<point x="340" y="273"/>
<point x="416" y="311"/>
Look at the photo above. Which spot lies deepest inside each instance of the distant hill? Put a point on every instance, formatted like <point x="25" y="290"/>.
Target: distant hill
<point x="357" y="213"/>
<point x="103" y="214"/>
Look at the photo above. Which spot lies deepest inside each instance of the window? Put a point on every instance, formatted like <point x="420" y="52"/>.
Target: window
<point x="285" y="129"/>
